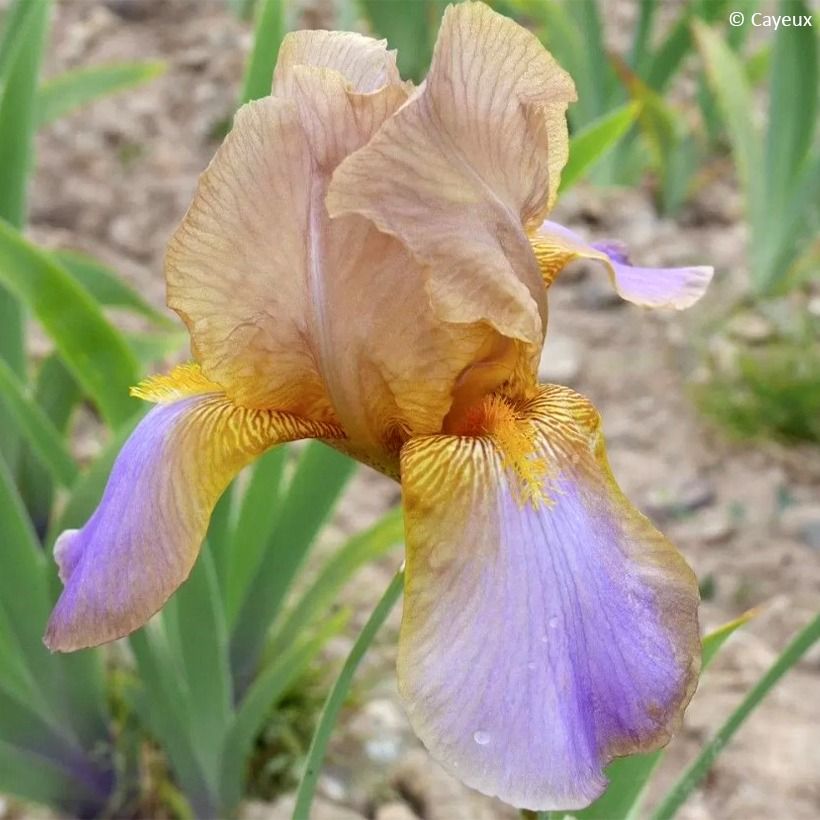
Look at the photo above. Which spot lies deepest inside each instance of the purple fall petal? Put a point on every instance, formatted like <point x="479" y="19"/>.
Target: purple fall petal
<point x="652" y="287"/>
<point x="539" y="641"/>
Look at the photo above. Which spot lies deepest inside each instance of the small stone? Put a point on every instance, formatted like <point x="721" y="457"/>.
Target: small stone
<point x="282" y="809"/>
<point x="678" y="502"/>
<point x="382" y="729"/>
<point x="134" y="10"/>
<point x="442" y="797"/>
<point x="395" y="811"/>
<point x="725" y="354"/>
<point x="750" y="327"/>
<point x="560" y="361"/>
<point x="714" y="527"/>
<point x="802" y="522"/>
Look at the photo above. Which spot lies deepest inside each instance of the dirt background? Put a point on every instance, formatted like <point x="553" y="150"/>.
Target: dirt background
<point x="115" y="180"/>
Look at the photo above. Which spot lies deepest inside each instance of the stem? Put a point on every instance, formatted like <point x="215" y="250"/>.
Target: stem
<point x="333" y="704"/>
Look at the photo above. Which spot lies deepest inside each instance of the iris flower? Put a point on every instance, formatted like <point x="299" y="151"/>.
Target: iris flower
<point x="367" y="263"/>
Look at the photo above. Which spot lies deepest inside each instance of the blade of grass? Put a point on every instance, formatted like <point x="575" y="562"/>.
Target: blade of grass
<point x="727" y="78"/>
<point x="269" y="30"/>
<point x="410" y="28"/>
<point x="108" y="288"/>
<point x="57" y="393"/>
<point x="24" y="594"/>
<point x="629" y="776"/>
<point x="266" y="689"/>
<point x="679" y="793"/>
<point x="34" y="427"/>
<point x="220" y="542"/>
<point x="792" y="104"/>
<point x="594" y="140"/>
<point x="318" y="598"/>
<point x="33" y="777"/>
<point x="93" y="350"/>
<point x="588" y="21"/>
<point x="317" y="483"/>
<point x="81" y="86"/>
<point x="14" y="22"/>
<point x="640" y="42"/>
<point x="259" y="508"/>
<point x="166" y="712"/>
<point x="203" y="641"/>
<point x="27" y="29"/>
<point x="677" y="44"/>
<point x="337" y="696"/>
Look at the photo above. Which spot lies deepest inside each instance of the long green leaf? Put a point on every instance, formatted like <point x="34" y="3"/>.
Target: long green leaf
<point x="108" y="288"/>
<point x="727" y="78"/>
<point x="93" y="350"/>
<point x="165" y="710"/>
<point x="798" y="647"/>
<point x="628" y="776"/>
<point x="81" y="86"/>
<point x="220" y="543"/>
<point x="266" y="689"/>
<point x="27" y="30"/>
<point x="34" y="777"/>
<point x="56" y="392"/>
<point x="267" y="37"/>
<point x="792" y="103"/>
<point x="594" y="140"/>
<point x="17" y="108"/>
<point x="203" y="641"/>
<point x="410" y="28"/>
<point x="318" y="598"/>
<point x="337" y="696"/>
<point x="22" y="580"/>
<point x="35" y="428"/>
<point x="677" y="44"/>
<point x="257" y="517"/>
<point x="317" y="483"/>
<point x="13" y="24"/>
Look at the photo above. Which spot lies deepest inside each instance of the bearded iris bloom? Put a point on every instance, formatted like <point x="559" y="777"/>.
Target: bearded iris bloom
<point x="367" y="264"/>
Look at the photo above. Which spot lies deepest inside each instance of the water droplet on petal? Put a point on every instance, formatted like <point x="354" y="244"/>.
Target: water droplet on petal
<point x="482" y="738"/>
<point x="531" y="666"/>
<point x="553" y="621"/>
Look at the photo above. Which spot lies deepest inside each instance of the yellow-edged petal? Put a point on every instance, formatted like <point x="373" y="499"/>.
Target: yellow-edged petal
<point x="548" y="626"/>
<point x="143" y="539"/>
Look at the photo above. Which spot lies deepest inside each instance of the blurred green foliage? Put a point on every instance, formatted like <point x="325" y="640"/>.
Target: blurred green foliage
<point x="775" y="393"/>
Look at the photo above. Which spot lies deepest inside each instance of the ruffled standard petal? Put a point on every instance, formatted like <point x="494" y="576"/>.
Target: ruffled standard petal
<point x="474" y="155"/>
<point x="143" y="539"/>
<point x="365" y="63"/>
<point x="287" y="308"/>
<point x="247" y="267"/>
<point x="547" y="625"/>
<point x="556" y="246"/>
